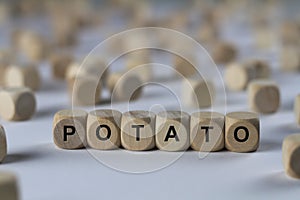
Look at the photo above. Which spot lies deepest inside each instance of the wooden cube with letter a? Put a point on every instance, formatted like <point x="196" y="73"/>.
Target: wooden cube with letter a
<point x="241" y="131"/>
<point x="172" y="131"/>
<point x="138" y="130"/>
<point x="103" y="129"/>
<point x="207" y="131"/>
<point x="69" y="129"/>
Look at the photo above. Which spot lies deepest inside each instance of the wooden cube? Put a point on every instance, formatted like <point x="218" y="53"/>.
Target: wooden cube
<point x="59" y="63"/>
<point x="124" y="87"/>
<point x="103" y="129"/>
<point x="224" y="52"/>
<point x="3" y="144"/>
<point x="198" y="93"/>
<point x="263" y="96"/>
<point x="290" y="58"/>
<point x="242" y="131"/>
<point x="69" y="129"/>
<point x="90" y="68"/>
<point x="138" y="130"/>
<point x="297" y="109"/>
<point x="32" y="45"/>
<point x="208" y="33"/>
<point x="22" y="76"/>
<point x="85" y="90"/>
<point x="237" y="76"/>
<point x="261" y="68"/>
<point x="8" y="186"/>
<point x="291" y="155"/>
<point x="264" y="37"/>
<point x="289" y="32"/>
<point x="207" y="131"/>
<point x="172" y="131"/>
<point x="64" y="28"/>
<point x="96" y="66"/>
<point x="17" y="104"/>
<point x="3" y="68"/>
<point x="183" y="67"/>
<point x="140" y="67"/>
<point x="6" y="58"/>
<point x="72" y="71"/>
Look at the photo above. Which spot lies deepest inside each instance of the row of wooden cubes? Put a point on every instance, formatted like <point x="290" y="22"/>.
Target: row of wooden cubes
<point x="167" y="131"/>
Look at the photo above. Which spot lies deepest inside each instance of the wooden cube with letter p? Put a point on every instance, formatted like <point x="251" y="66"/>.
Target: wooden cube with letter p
<point x="241" y="131"/>
<point x="69" y="129"/>
<point x="172" y="131"/>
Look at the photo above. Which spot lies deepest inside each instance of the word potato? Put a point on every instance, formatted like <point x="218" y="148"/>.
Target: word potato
<point x="167" y="131"/>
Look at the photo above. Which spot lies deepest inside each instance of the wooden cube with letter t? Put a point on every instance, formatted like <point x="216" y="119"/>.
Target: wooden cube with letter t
<point x="138" y="130"/>
<point x="241" y="131"/>
<point x="207" y="131"/>
<point x="172" y="131"/>
<point x="69" y="129"/>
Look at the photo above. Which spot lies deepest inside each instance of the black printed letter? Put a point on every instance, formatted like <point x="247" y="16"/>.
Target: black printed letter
<point x="169" y="135"/>
<point x="98" y="132"/>
<point x="206" y="128"/>
<point x="137" y="127"/>
<point x="236" y="134"/>
<point x="66" y="133"/>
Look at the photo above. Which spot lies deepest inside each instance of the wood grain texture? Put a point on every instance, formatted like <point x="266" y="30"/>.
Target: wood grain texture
<point x="172" y="131"/>
<point x="17" y="104"/>
<point x="242" y="131"/>
<point x="297" y="109"/>
<point x="3" y="144"/>
<point x="291" y="155"/>
<point x="263" y="96"/>
<point x="197" y="93"/>
<point x="124" y="87"/>
<point x="22" y="76"/>
<point x="207" y="131"/>
<point x="138" y="130"/>
<point x="104" y="129"/>
<point x="72" y="122"/>
<point x="8" y="186"/>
